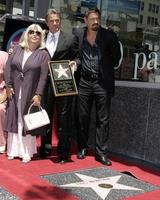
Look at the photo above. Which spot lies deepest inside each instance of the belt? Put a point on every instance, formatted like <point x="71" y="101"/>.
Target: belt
<point x="90" y="77"/>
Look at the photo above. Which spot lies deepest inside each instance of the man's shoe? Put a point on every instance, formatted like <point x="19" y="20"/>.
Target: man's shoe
<point x="103" y="159"/>
<point x="63" y="160"/>
<point x="45" y="153"/>
<point x="82" y="154"/>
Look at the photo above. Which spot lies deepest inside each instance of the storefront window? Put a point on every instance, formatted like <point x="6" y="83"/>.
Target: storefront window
<point x="137" y="25"/>
<point x="140" y="38"/>
<point x="18" y="6"/>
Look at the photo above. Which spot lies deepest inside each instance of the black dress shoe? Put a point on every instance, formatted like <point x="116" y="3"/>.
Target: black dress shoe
<point x="45" y="153"/>
<point x="103" y="159"/>
<point x="63" y="160"/>
<point x="82" y="154"/>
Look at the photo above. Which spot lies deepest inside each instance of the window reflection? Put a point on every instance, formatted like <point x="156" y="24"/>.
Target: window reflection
<point x="136" y="22"/>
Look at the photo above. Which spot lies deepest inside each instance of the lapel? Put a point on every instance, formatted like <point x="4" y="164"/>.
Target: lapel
<point x="98" y="35"/>
<point x="18" y="53"/>
<point x="20" y="58"/>
<point x="99" y="38"/>
<point x="45" y="34"/>
<point x="28" y="64"/>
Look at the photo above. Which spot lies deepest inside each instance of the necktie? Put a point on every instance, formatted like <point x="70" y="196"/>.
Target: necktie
<point x="52" y="39"/>
<point x="51" y="44"/>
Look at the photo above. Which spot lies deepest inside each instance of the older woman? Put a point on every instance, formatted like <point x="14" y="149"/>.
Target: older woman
<point x="3" y="59"/>
<point x="25" y="74"/>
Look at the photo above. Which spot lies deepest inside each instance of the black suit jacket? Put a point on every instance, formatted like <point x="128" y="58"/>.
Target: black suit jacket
<point x="110" y="54"/>
<point x="67" y="47"/>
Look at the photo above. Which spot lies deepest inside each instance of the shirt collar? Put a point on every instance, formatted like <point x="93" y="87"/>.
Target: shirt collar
<point x="55" y="34"/>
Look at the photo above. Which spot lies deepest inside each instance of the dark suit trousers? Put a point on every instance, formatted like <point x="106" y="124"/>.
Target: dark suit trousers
<point x="63" y="110"/>
<point x="63" y="106"/>
<point x="89" y="91"/>
<point x="48" y="104"/>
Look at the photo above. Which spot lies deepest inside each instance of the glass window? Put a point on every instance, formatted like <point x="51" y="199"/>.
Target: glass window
<point x="156" y="21"/>
<point x="17" y="7"/>
<point x="142" y="5"/>
<point x="152" y="21"/>
<point x="157" y="9"/>
<point x="150" y="7"/>
<point x="154" y="8"/>
<point x="148" y="20"/>
<point x="141" y="19"/>
<point x="2" y="13"/>
<point x="31" y="8"/>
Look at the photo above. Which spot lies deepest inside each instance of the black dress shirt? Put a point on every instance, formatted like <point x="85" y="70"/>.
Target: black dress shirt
<point x="90" y="57"/>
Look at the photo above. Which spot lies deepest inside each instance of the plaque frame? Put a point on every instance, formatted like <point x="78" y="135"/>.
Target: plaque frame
<point x="62" y="79"/>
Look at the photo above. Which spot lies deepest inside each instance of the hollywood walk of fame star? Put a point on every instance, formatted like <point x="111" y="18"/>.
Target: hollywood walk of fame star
<point x="96" y="183"/>
<point x="61" y="71"/>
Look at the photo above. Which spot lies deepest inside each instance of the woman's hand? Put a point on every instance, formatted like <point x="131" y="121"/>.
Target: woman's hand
<point x="9" y="92"/>
<point x="36" y="100"/>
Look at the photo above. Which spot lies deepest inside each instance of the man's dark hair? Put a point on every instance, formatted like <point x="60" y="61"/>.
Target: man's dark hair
<point x="92" y="10"/>
<point x="52" y="11"/>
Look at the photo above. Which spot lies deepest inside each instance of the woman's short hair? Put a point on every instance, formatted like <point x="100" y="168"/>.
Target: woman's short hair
<point x="24" y="38"/>
<point x="52" y="11"/>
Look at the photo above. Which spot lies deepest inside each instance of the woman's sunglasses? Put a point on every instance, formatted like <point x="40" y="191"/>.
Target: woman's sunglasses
<point x="31" y="32"/>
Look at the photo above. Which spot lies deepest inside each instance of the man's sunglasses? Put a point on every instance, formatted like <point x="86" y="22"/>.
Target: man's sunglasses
<point x="31" y="32"/>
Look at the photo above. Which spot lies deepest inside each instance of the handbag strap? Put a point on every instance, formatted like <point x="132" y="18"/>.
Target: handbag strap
<point x="29" y="109"/>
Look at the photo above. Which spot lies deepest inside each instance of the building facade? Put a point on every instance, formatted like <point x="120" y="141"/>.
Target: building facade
<point x="149" y="13"/>
<point x="2" y="13"/>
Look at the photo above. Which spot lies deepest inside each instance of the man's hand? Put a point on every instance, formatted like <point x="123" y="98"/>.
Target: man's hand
<point x="73" y="66"/>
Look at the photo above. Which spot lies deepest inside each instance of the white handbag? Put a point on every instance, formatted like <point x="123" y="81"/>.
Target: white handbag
<point x="36" y="119"/>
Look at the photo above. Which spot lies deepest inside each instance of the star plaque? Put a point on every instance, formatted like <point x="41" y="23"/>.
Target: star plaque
<point x="63" y="82"/>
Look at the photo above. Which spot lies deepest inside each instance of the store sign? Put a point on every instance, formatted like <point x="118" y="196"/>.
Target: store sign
<point x="151" y="63"/>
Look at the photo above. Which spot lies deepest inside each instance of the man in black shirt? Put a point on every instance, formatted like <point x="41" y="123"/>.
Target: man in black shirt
<point x="99" y="54"/>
